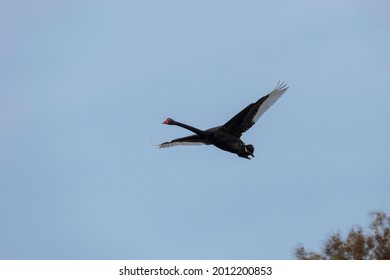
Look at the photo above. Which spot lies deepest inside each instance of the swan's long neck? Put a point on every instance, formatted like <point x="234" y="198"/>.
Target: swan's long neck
<point x="193" y="129"/>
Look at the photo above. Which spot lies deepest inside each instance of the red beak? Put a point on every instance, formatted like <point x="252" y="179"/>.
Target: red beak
<point x="166" y="121"/>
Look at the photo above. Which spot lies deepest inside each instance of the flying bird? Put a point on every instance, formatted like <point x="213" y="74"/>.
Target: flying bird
<point x="227" y="136"/>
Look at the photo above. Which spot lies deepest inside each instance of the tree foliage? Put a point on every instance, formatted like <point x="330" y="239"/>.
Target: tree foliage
<point x="358" y="245"/>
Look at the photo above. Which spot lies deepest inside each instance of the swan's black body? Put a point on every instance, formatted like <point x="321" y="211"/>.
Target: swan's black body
<point x="227" y="137"/>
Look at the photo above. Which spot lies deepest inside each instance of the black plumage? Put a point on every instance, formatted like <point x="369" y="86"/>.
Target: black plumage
<point x="227" y="137"/>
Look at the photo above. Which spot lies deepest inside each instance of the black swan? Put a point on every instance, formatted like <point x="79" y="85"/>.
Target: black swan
<point x="227" y="136"/>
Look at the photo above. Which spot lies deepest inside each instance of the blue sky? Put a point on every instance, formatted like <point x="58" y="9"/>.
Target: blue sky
<point x="85" y="85"/>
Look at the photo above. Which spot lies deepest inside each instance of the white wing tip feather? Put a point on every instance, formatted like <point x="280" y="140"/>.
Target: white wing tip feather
<point x="154" y="143"/>
<point x="273" y="96"/>
<point x="172" y="144"/>
<point x="281" y="87"/>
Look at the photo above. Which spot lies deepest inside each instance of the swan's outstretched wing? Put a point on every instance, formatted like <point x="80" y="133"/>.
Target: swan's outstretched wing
<point x="248" y="116"/>
<point x="189" y="140"/>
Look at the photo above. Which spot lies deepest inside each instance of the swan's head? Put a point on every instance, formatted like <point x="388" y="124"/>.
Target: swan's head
<point x="168" y="121"/>
<point x="249" y="150"/>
